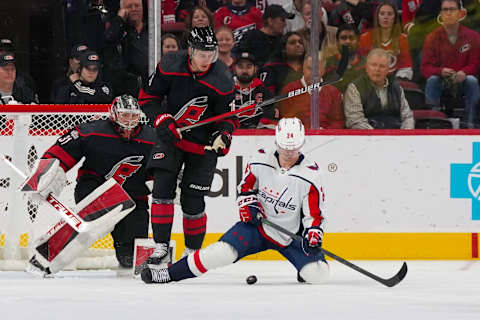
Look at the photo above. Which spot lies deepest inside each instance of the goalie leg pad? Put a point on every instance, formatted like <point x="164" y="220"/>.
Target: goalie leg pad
<point x="315" y="272"/>
<point x="104" y="208"/>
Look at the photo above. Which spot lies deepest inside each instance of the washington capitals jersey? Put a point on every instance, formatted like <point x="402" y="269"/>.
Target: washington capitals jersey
<point x="107" y="154"/>
<point x="190" y="97"/>
<point x="289" y="197"/>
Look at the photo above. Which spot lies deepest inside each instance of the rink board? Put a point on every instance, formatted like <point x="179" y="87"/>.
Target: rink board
<point x="390" y="194"/>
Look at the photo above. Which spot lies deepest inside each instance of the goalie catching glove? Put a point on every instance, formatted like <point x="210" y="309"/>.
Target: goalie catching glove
<point x="312" y="240"/>
<point x="47" y="178"/>
<point x="250" y="210"/>
<point x="167" y="128"/>
<point x="220" y="143"/>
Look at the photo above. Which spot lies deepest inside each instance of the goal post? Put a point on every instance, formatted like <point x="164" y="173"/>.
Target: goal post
<point x="26" y="132"/>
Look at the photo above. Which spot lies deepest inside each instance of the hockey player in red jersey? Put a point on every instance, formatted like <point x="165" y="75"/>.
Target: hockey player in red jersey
<point x="117" y="148"/>
<point x="283" y="186"/>
<point x="196" y="87"/>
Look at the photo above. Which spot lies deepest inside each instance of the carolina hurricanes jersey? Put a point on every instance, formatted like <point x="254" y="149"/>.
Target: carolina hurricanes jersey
<point x="107" y="154"/>
<point x="190" y="97"/>
<point x="288" y="197"/>
<point x="239" y="19"/>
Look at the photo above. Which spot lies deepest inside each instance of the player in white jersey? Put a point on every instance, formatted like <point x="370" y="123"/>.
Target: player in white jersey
<point x="282" y="186"/>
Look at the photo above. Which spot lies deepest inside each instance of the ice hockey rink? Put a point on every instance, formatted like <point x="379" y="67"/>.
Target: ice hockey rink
<point x="431" y="290"/>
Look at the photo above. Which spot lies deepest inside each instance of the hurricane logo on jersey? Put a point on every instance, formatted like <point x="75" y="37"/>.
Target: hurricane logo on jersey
<point x="125" y="168"/>
<point x="192" y="111"/>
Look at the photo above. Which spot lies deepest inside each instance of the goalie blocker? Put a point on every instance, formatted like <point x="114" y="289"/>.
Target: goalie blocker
<point x="102" y="209"/>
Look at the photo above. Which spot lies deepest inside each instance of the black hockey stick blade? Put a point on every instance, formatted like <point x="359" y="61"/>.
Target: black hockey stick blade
<point x="343" y="63"/>
<point x="390" y="282"/>
<point x="387" y="282"/>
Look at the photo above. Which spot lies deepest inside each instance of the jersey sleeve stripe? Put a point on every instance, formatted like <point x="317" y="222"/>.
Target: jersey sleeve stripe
<point x="190" y="146"/>
<point x="248" y="183"/>
<point x="314" y="206"/>
<point x="67" y="161"/>
<point x="144" y="97"/>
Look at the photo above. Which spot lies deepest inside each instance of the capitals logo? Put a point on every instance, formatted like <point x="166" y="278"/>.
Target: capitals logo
<point x="277" y="199"/>
<point x="192" y="111"/>
<point x="125" y="168"/>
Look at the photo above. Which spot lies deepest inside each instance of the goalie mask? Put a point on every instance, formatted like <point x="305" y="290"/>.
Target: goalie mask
<point x="290" y="134"/>
<point x="125" y="114"/>
<point x="203" y="39"/>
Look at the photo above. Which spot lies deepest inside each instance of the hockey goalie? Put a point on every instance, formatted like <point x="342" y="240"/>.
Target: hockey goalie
<point x="110" y="192"/>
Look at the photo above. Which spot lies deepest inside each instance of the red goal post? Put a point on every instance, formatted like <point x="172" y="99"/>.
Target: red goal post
<point x="26" y="131"/>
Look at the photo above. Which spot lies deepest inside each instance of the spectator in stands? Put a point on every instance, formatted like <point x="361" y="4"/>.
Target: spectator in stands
<point x="286" y="65"/>
<point x="298" y="22"/>
<point x="169" y="43"/>
<point x="73" y="67"/>
<point x="264" y="42"/>
<point x="13" y="88"/>
<point x="239" y="16"/>
<point x="346" y="36"/>
<point x="376" y="101"/>
<point x="225" y="46"/>
<point x="329" y="101"/>
<point x="388" y="34"/>
<point x="85" y="87"/>
<point x="22" y="80"/>
<point x="327" y="33"/>
<point x="126" y="57"/>
<point x="251" y="90"/>
<point x="450" y="60"/>
<point x="358" y="13"/>
<point x="330" y="5"/>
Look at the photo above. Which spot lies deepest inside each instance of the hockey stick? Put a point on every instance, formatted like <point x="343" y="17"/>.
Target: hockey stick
<point x="68" y="215"/>
<point x="390" y="282"/>
<point x="342" y="66"/>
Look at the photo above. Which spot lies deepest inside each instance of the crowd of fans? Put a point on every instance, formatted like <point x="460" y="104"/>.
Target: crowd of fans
<point x="408" y="59"/>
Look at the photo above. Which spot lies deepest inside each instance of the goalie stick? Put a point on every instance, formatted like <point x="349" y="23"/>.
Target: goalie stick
<point x="390" y="282"/>
<point x="342" y="66"/>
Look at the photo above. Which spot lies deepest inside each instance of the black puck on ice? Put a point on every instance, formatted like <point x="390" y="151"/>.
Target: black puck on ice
<point x="251" y="279"/>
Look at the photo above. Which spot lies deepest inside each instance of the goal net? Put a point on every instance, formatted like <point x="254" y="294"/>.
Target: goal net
<point x="26" y="132"/>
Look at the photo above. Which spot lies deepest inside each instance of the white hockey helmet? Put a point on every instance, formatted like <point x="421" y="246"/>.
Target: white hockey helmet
<point x="290" y="134"/>
<point x="125" y="112"/>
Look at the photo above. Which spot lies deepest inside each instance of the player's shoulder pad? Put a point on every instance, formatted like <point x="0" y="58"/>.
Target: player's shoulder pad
<point x="174" y="63"/>
<point x="220" y="78"/>
<point x="97" y="126"/>
<point x="310" y="168"/>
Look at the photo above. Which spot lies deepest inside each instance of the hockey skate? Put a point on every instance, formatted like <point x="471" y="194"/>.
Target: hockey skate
<point x="155" y="275"/>
<point x="35" y="268"/>
<point x="160" y="257"/>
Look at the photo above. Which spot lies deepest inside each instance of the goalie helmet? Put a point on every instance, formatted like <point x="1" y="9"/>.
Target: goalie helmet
<point x="290" y="134"/>
<point x="125" y="114"/>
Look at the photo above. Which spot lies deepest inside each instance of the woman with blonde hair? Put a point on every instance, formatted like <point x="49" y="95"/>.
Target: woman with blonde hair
<point x="388" y="35"/>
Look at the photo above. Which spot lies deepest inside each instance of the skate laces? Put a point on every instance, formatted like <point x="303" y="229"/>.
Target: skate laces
<point x="160" y="275"/>
<point x="160" y="251"/>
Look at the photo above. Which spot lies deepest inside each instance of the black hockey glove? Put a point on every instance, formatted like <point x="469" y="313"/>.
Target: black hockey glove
<point x="250" y="210"/>
<point x="220" y="143"/>
<point x="312" y="240"/>
<point x="167" y="128"/>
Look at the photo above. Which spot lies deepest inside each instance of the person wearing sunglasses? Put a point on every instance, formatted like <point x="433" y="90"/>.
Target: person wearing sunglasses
<point x="85" y="86"/>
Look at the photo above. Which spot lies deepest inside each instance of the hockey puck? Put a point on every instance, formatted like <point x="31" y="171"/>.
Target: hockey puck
<point x="251" y="279"/>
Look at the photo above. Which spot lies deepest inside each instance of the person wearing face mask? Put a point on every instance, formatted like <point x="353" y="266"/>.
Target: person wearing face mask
<point x="85" y="86"/>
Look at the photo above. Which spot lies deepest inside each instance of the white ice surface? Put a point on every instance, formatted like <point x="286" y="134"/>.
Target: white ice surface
<point x="431" y="290"/>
